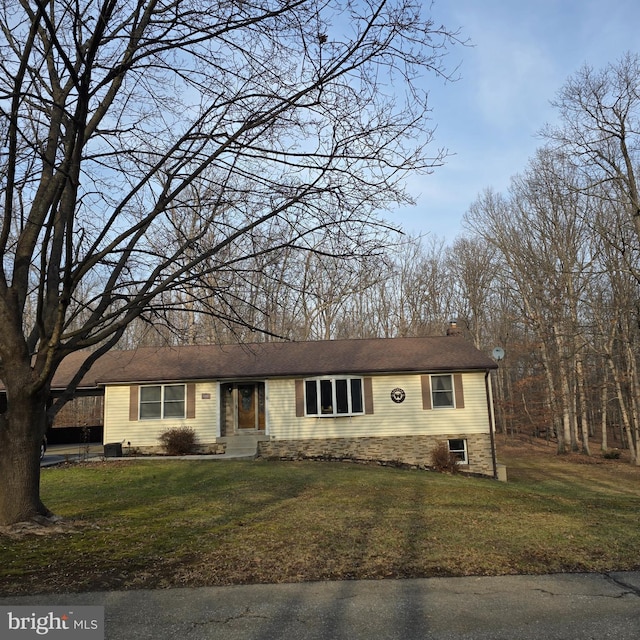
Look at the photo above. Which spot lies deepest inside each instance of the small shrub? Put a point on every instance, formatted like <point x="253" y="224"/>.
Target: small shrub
<point x="611" y="454"/>
<point x="443" y="460"/>
<point x="178" y="441"/>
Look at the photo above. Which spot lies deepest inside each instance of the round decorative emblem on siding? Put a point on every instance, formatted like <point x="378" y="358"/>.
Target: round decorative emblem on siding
<point x="398" y="395"/>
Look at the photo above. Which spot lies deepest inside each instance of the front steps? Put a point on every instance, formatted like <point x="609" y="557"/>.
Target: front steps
<point x="242" y="445"/>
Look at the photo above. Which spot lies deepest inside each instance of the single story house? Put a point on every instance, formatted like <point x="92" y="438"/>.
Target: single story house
<point x="388" y="399"/>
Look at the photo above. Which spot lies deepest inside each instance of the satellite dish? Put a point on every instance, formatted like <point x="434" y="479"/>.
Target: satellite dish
<point x="498" y="353"/>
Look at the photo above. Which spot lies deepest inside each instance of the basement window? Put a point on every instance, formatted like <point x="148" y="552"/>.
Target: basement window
<point x="458" y="447"/>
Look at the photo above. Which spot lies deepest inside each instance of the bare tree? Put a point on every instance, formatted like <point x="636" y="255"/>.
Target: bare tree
<point x="414" y="299"/>
<point x="567" y="279"/>
<point x="473" y="267"/>
<point x="614" y="308"/>
<point x="425" y="288"/>
<point x="543" y="245"/>
<point x="500" y="222"/>
<point x="600" y="130"/>
<point x="304" y="113"/>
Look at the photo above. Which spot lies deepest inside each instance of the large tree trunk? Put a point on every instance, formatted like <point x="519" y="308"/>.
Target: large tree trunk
<point x="626" y="422"/>
<point x="559" y="416"/>
<point x="635" y="412"/>
<point x="582" y="401"/>
<point x="604" y="395"/>
<point x="22" y="428"/>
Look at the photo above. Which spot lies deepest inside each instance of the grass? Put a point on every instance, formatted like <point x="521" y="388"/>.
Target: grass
<point x="156" y="524"/>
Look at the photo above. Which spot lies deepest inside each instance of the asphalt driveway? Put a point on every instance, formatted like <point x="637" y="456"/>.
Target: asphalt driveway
<point x="554" y="607"/>
<point x="59" y="453"/>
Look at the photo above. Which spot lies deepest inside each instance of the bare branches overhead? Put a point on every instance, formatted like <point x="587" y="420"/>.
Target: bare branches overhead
<point x="143" y="139"/>
<point x="151" y="149"/>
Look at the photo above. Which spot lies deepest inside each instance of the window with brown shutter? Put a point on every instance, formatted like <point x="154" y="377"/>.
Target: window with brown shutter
<point x="442" y="391"/>
<point x="160" y="401"/>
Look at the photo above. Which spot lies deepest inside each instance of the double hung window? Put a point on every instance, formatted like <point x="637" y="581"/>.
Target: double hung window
<point x="162" y="401"/>
<point x="442" y="391"/>
<point x="458" y="447"/>
<point x="333" y="397"/>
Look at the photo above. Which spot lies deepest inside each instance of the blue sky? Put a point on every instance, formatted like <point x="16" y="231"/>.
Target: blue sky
<point x="521" y="55"/>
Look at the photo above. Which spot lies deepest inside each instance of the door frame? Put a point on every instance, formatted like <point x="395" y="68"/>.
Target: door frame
<point x="230" y="404"/>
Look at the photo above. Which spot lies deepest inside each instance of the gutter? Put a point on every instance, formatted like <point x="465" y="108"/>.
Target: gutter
<point x="491" y="424"/>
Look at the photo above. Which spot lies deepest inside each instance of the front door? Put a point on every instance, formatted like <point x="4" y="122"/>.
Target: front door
<point x="247" y="406"/>
<point x="242" y="407"/>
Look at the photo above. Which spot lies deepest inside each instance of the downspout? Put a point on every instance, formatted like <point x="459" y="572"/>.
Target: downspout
<point x="491" y="423"/>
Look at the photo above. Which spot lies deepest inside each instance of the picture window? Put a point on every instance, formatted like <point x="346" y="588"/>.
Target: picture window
<point x="333" y="397"/>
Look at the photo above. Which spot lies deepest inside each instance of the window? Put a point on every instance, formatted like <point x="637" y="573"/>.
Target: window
<point x="333" y="397"/>
<point x="162" y="401"/>
<point x="442" y="391"/>
<point x="458" y="447"/>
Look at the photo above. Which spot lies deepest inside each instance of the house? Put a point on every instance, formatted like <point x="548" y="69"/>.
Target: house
<point x="388" y="399"/>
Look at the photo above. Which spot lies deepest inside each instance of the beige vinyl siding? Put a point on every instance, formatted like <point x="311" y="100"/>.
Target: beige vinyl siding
<point x="389" y="418"/>
<point x="118" y="427"/>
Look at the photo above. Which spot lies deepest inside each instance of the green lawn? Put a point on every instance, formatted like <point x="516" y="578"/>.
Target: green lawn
<point x="147" y="524"/>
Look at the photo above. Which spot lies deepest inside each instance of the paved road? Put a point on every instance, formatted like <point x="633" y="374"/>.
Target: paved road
<point x="555" y="607"/>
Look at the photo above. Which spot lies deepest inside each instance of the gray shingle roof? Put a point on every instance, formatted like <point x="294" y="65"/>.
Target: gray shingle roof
<point x="278" y="359"/>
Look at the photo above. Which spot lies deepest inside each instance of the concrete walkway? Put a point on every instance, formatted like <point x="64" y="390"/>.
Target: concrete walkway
<point x="60" y="453"/>
<point x="554" y="607"/>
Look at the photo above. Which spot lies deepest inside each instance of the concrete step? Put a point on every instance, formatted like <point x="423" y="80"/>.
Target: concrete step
<point x="242" y="445"/>
<point x="244" y="451"/>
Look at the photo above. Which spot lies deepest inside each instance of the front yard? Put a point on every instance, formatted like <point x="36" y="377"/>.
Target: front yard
<point x="157" y="524"/>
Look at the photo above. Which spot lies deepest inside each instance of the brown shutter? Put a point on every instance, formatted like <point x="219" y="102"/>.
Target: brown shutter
<point x="191" y="400"/>
<point x="458" y="390"/>
<point x="425" y="382"/>
<point x="133" y="402"/>
<point x="367" y="389"/>
<point x="299" y="398"/>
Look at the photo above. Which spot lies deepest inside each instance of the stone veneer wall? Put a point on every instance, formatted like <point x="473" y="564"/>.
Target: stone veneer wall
<point x="412" y="450"/>
<point x="214" y="448"/>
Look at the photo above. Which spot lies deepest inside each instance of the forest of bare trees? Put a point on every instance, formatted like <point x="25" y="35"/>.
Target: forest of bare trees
<point x="548" y="271"/>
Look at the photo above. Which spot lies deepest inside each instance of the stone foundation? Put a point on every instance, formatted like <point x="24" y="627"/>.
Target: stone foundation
<point x="411" y="450"/>
<point x="214" y="448"/>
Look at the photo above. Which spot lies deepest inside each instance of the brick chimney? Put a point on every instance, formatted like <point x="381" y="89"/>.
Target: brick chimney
<point x="452" y="329"/>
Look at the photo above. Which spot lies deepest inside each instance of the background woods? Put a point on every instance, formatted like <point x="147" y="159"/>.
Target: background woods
<point x="549" y="271"/>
